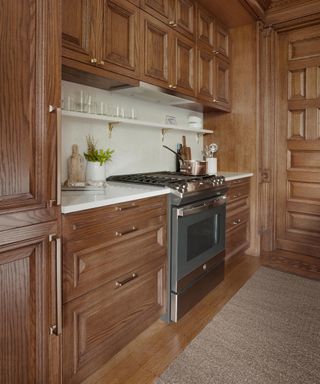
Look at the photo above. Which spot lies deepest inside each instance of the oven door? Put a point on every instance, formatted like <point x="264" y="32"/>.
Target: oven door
<point x="198" y="234"/>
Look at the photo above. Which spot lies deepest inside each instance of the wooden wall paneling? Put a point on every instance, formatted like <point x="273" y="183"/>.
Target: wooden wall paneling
<point x="236" y="132"/>
<point x="290" y="14"/>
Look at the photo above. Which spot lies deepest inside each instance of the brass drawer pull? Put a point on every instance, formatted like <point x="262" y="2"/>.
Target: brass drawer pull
<point x="133" y="229"/>
<point x="236" y="221"/>
<point x="127" y="280"/>
<point x="132" y="206"/>
<point x="236" y="195"/>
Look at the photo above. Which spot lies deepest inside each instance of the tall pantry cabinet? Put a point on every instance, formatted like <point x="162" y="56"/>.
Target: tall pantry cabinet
<point x="29" y="197"/>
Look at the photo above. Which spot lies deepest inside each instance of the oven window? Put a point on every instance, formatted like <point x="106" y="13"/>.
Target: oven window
<point x="202" y="236"/>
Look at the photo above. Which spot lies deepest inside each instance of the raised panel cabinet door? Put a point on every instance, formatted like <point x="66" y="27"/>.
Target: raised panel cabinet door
<point x="205" y="80"/>
<point x="298" y="147"/>
<point x="155" y="54"/>
<point x="161" y="9"/>
<point x="222" y="41"/>
<point x="205" y="28"/>
<point x="97" y="325"/>
<point x="30" y="82"/>
<point x="184" y="68"/>
<point x="79" y="29"/>
<point x="222" y="84"/>
<point x="25" y="312"/>
<point x="185" y="17"/>
<point x="120" y="41"/>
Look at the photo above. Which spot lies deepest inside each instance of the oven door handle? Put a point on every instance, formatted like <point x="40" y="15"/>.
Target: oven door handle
<point x="191" y="210"/>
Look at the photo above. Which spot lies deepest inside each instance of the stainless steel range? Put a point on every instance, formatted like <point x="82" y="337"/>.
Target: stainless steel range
<point x="196" y="234"/>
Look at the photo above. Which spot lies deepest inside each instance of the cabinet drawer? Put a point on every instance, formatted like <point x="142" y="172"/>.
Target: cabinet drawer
<point x="237" y="239"/>
<point x="237" y="182"/>
<point x="99" y="324"/>
<point x="97" y="263"/>
<point x="236" y="219"/>
<point x="238" y="191"/>
<point x="114" y="218"/>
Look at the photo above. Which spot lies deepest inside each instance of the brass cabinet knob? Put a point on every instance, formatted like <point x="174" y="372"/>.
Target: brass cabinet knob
<point x="101" y="62"/>
<point x="172" y="23"/>
<point x="93" y="60"/>
<point x="214" y="100"/>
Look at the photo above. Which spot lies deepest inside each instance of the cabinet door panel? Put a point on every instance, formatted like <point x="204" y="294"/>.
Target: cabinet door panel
<point x="222" y="41"/>
<point x="155" y="52"/>
<point x="222" y="83"/>
<point x="25" y="176"/>
<point x="24" y="317"/>
<point x="160" y="9"/>
<point x="205" y="75"/>
<point x="79" y="19"/>
<point x="120" y="37"/>
<point x="205" y="28"/>
<point x="99" y="324"/>
<point x="184" y="68"/>
<point x="185" y="17"/>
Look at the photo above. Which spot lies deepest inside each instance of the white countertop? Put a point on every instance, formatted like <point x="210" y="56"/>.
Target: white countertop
<point x="234" y="175"/>
<point x="113" y="193"/>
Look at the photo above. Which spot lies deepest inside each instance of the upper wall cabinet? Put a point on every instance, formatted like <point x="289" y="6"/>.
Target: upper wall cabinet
<point x="178" y="14"/>
<point x="205" y="28"/>
<point x="118" y="49"/>
<point x="103" y="36"/>
<point x="168" y="58"/>
<point x="222" y="41"/>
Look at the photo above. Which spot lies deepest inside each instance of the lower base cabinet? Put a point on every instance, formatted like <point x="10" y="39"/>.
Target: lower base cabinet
<point x="237" y="223"/>
<point x="114" y="285"/>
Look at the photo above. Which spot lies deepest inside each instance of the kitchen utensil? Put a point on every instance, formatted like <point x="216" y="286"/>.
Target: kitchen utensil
<point x="193" y="167"/>
<point x="190" y="167"/>
<point x="185" y="151"/>
<point x="213" y="148"/>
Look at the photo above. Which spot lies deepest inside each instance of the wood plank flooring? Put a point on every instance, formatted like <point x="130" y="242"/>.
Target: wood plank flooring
<point x="146" y="357"/>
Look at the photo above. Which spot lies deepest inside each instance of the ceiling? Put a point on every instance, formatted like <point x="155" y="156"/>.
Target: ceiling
<point x="235" y="13"/>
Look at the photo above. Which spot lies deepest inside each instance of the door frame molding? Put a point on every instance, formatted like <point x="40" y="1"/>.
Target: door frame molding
<point x="269" y="99"/>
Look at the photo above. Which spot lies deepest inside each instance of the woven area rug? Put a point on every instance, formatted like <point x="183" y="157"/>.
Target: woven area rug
<point x="268" y="333"/>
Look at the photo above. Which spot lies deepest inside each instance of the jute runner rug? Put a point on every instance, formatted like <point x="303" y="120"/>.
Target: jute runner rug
<point x="268" y="333"/>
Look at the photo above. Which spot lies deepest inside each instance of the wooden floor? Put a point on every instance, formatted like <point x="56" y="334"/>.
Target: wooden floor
<point x="146" y="357"/>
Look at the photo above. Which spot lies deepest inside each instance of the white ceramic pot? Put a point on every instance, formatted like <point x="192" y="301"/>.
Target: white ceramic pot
<point x="95" y="173"/>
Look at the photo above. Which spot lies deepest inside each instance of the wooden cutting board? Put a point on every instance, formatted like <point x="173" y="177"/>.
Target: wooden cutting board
<point x="185" y="151"/>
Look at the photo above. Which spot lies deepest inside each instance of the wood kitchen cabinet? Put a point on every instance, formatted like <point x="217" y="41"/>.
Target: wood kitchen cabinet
<point x="177" y="14"/>
<point x="168" y="58"/>
<point x="205" y="28"/>
<point x="237" y="221"/>
<point x="114" y="280"/>
<point x="30" y="83"/>
<point x="102" y="40"/>
<point x="213" y="80"/>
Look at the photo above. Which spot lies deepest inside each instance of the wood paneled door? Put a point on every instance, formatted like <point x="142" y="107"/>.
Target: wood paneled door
<point x="298" y="142"/>
<point x="29" y="194"/>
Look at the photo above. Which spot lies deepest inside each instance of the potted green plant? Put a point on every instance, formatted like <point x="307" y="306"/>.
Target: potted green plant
<point x="96" y="160"/>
